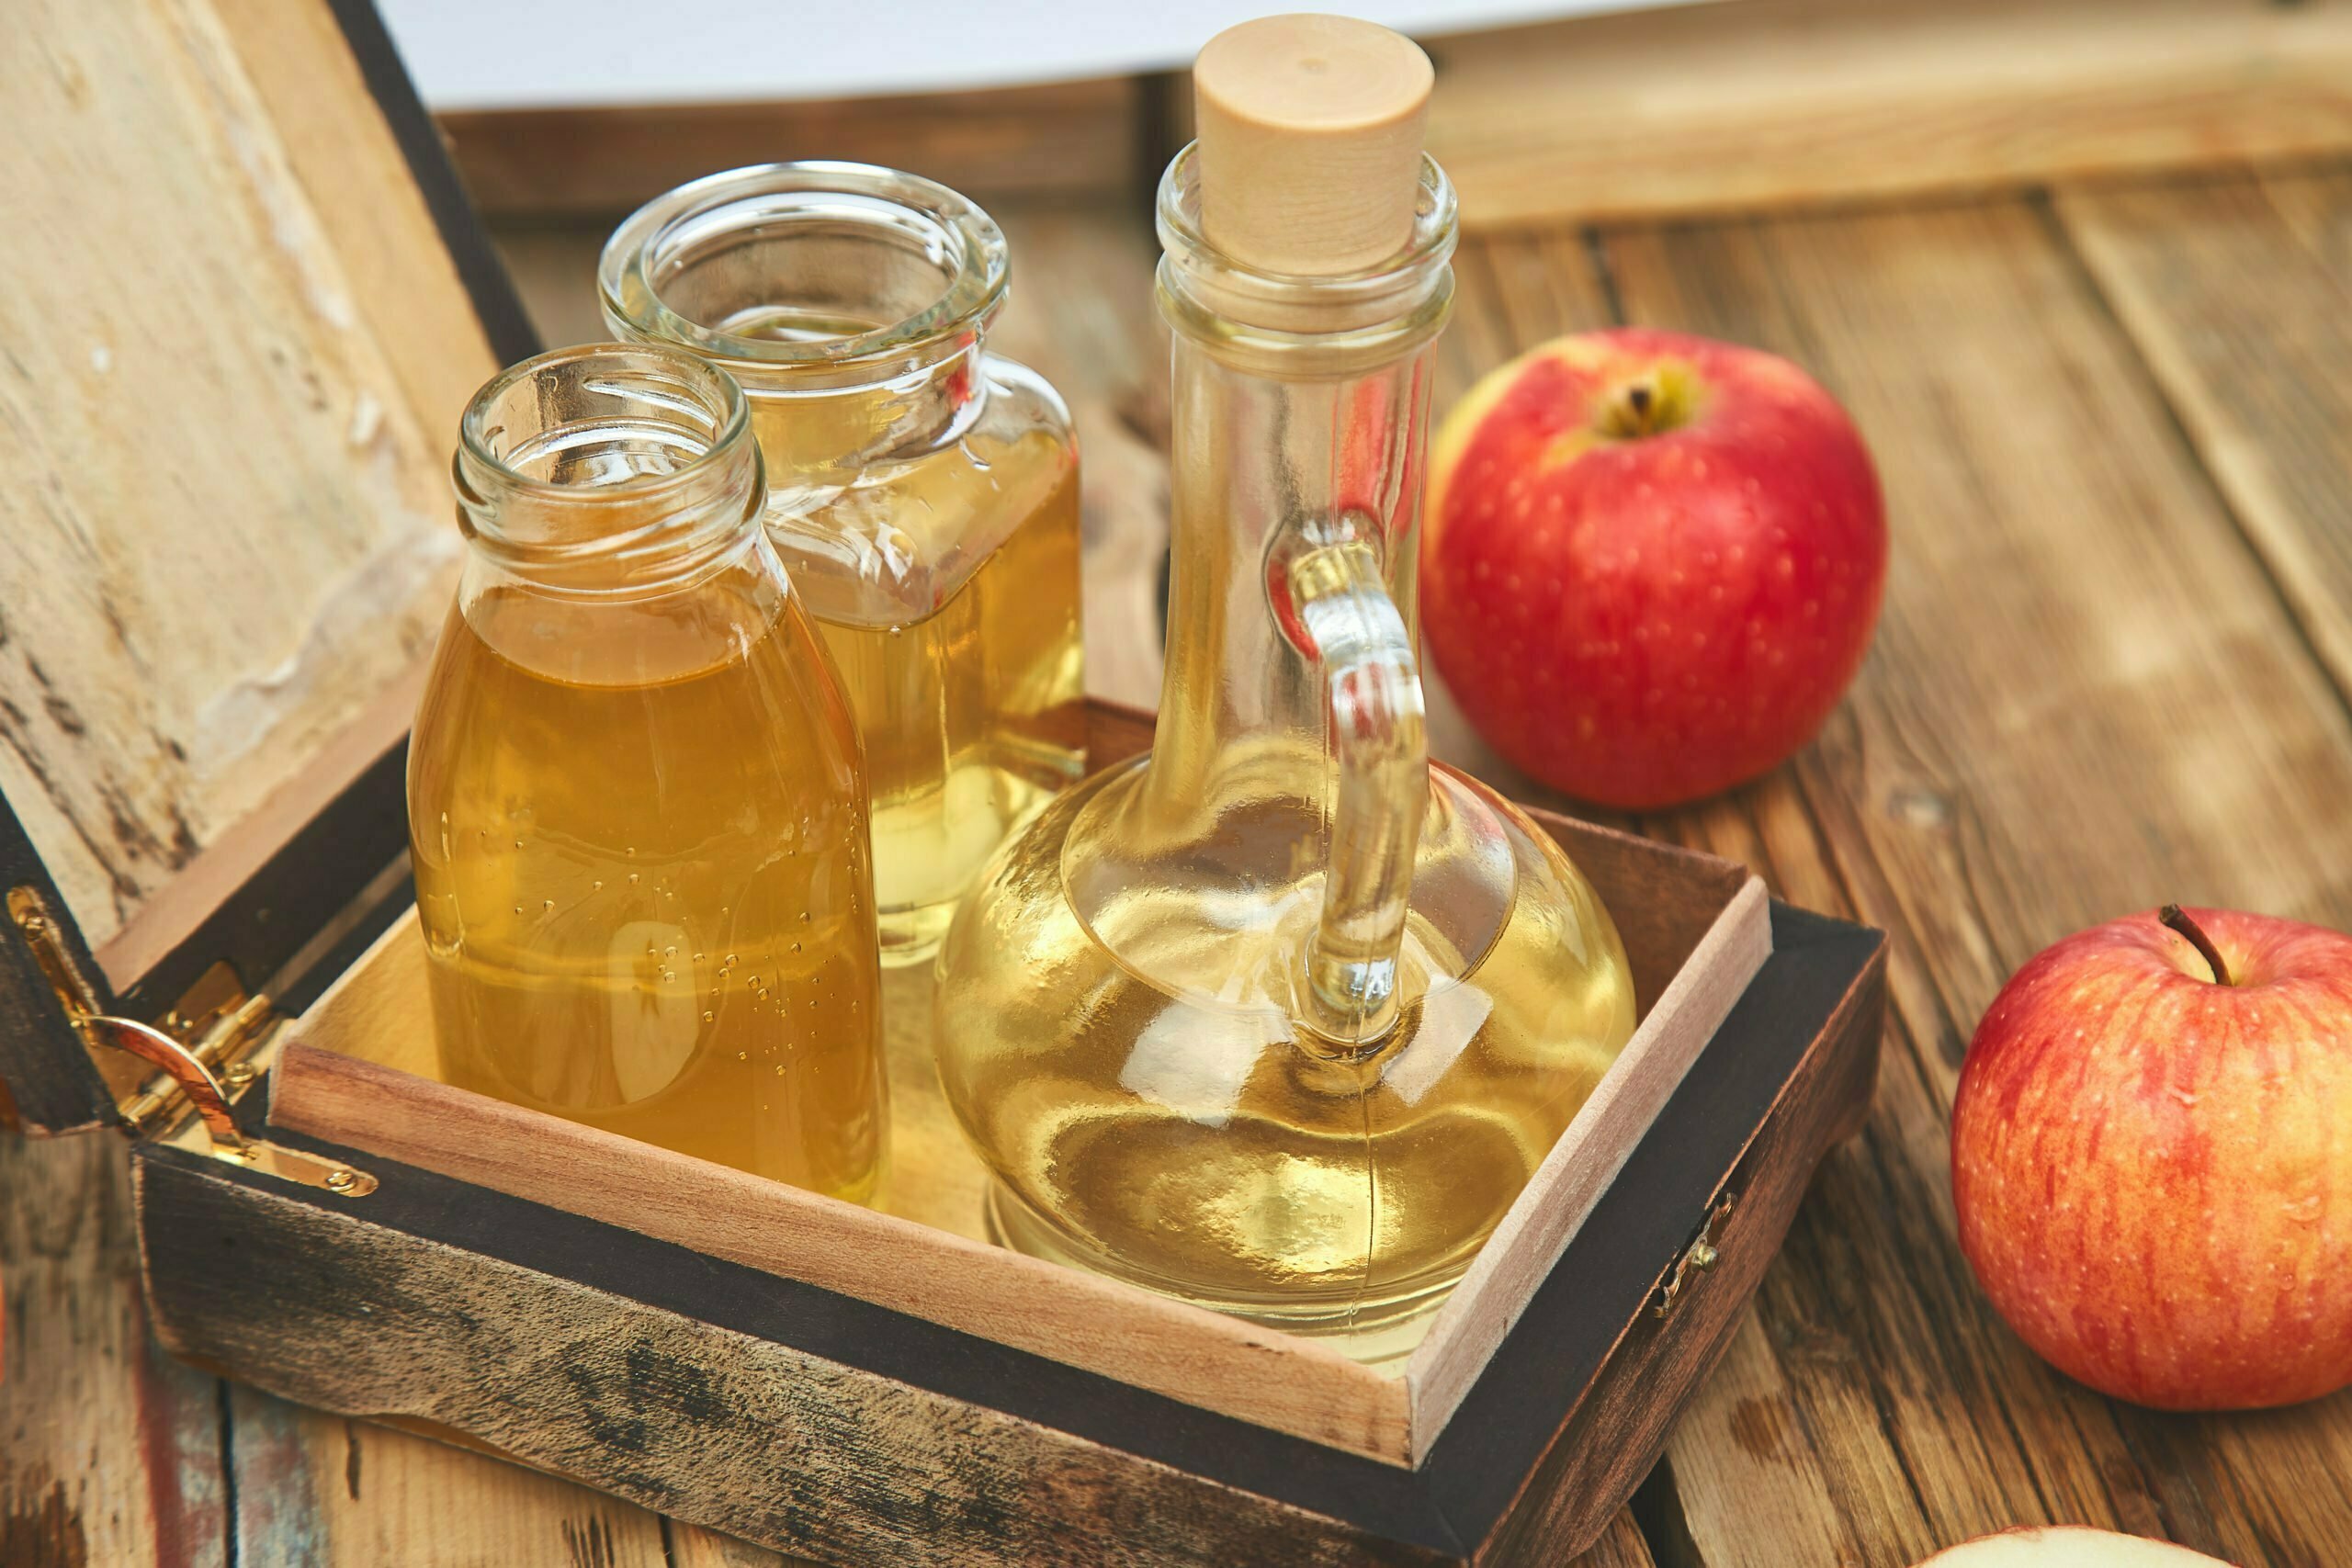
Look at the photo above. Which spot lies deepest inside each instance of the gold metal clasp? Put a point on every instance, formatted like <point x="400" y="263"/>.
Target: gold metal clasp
<point x="190" y="1067"/>
<point x="1701" y="1254"/>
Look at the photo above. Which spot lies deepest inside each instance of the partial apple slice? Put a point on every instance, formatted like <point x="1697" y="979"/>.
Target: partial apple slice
<point x="2068" y="1546"/>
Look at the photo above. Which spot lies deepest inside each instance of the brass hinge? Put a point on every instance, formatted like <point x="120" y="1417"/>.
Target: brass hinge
<point x="1700" y="1254"/>
<point x="186" y="1071"/>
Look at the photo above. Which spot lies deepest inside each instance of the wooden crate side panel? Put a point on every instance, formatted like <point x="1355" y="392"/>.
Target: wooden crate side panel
<point x="1524" y="1249"/>
<point x="1258" y="1374"/>
<point x="1521" y="1415"/>
<point x="1622" y="1424"/>
<point x="721" y="1427"/>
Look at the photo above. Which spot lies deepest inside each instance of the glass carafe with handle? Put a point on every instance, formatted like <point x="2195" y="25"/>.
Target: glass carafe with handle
<point x="1279" y="1018"/>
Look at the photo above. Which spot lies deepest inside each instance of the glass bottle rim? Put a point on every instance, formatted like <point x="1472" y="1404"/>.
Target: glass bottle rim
<point x="954" y="230"/>
<point x="713" y="387"/>
<point x="625" y="534"/>
<point x="1402" y="277"/>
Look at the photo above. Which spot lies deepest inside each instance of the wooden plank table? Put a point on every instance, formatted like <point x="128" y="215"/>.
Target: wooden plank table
<point x="2115" y="426"/>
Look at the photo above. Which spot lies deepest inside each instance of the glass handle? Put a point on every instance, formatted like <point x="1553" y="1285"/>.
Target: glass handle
<point x="1373" y="695"/>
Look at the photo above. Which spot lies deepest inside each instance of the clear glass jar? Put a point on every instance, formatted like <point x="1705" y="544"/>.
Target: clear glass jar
<point x="1280" y="1018"/>
<point x="923" y="491"/>
<point x="636" y="804"/>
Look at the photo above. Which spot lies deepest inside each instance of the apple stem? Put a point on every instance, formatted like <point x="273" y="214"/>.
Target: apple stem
<point x="2173" y="916"/>
<point x="1658" y="399"/>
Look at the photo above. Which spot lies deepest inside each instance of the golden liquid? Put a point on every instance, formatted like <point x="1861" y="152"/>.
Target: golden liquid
<point x="967" y="682"/>
<point x="1183" y="1132"/>
<point x="640" y="854"/>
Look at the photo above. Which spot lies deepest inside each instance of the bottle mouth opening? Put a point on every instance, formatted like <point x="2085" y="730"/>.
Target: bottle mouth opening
<point x="1396" y="287"/>
<point x="603" y="420"/>
<point x="631" y="457"/>
<point x="810" y="267"/>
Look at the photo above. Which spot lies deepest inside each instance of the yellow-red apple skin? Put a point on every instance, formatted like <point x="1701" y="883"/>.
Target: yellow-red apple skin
<point x="1645" y="621"/>
<point x="2153" y="1173"/>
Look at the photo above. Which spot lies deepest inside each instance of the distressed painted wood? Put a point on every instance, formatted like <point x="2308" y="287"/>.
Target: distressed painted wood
<point x="1258" y="1374"/>
<point x="210" y="578"/>
<point x="737" y="1431"/>
<point x="419" y="302"/>
<point x="313" y="1489"/>
<point x="109" y="1452"/>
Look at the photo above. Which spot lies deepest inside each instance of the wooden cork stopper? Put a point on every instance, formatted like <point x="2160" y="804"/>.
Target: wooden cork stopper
<point x="1310" y="142"/>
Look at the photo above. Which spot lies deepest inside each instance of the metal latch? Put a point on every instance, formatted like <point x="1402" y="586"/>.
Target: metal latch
<point x="202" y="1054"/>
<point x="1701" y="1254"/>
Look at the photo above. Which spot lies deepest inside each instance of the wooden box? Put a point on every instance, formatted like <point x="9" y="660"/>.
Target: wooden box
<point x="229" y="549"/>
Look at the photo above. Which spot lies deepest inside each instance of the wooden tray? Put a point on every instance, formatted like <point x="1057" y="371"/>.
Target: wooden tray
<point x="210" y="677"/>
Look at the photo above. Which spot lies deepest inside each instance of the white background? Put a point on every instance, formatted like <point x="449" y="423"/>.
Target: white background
<point x="548" y="53"/>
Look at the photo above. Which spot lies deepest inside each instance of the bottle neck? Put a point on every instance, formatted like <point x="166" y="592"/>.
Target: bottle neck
<point x="1300" y="415"/>
<point x="1264" y="472"/>
<point x="606" y="472"/>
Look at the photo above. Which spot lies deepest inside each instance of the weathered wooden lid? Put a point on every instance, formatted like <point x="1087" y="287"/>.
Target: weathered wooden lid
<point x="246" y="305"/>
<point x="1310" y="142"/>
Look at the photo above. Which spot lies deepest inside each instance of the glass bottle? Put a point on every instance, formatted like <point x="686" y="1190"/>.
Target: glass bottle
<point x="923" y="491"/>
<point x="1280" y="1018"/>
<point x="636" y="806"/>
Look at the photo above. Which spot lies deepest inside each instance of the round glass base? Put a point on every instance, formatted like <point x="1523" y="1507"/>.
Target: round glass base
<point x="1380" y="1331"/>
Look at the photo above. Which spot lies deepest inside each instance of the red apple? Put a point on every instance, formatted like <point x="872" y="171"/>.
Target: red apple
<point x="2068" y="1546"/>
<point x="1650" y="563"/>
<point x="2152" y="1158"/>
